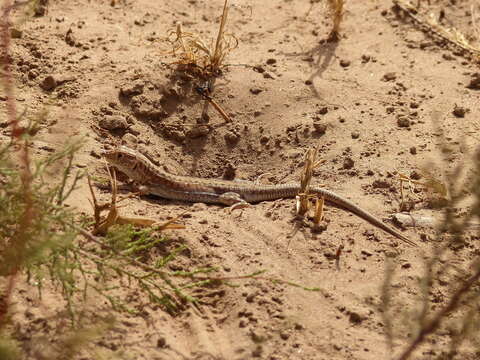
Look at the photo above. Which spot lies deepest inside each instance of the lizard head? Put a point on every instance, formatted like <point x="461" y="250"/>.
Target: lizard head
<point x="128" y="161"/>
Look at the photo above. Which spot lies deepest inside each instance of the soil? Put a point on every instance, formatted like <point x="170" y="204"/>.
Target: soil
<point x="387" y="99"/>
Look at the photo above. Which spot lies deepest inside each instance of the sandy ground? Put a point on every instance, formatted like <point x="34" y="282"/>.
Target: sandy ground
<point x="378" y="103"/>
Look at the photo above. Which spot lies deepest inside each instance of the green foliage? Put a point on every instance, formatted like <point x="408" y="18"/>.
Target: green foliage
<point x="27" y="247"/>
<point x="130" y="240"/>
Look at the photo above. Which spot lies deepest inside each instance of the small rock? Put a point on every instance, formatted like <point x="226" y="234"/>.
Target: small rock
<point x="298" y="326"/>
<point x="250" y="297"/>
<point x="40" y="8"/>
<point x="70" y="38"/>
<point x="414" y="105"/>
<point x="229" y="172"/>
<point x="271" y="61"/>
<point x="415" y="175"/>
<point x="113" y="122"/>
<point x="474" y="82"/>
<point x="381" y="184"/>
<point x="161" y="342"/>
<point x="284" y="335"/>
<point x="323" y="110"/>
<point x="49" y="83"/>
<point x="129" y="139"/>
<point x="264" y="140"/>
<point x="198" y="131"/>
<point x="231" y="138"/>
<point x="256" y="91"/>
<point x="355" y="134"/>
<point x="130" y="90"/>
<point x="257" y="352"/>
<point x="366" y="58"/>
<point x="32" y="74"/>
<point x="259" y="69"/>
<point x="345" y="63"/>
<point x="448" y="56"/>
<point x="413" y="150"/>
<point x="348" y="163"/>
<point x="95" y="154"/>
<point x="403" y="121"/>
<point x="390" y="76"/>
<point x="320" y="128"/>
<point x="355" y="318"/>
<point x="135" y="130"/>
<point x="15" y="33"/>
<point x="197" y="207"/>
<point x="459" y="111"/>
<point x="242" y="323"/>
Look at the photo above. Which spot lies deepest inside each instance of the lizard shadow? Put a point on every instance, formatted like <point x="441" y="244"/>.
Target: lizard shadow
<point x="320" y="57"/>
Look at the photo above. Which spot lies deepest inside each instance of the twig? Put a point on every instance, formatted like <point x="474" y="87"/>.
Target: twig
<point x="442" y="314"/>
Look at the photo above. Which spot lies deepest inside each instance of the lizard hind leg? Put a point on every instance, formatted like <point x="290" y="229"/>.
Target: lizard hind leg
<point x="234" y="200"/>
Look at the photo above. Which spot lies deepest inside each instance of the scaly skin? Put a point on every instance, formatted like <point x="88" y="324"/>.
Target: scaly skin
<point x="156" y="181"/>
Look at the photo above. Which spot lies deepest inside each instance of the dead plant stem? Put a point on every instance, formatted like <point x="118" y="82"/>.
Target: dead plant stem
<point x="433" y="325"/>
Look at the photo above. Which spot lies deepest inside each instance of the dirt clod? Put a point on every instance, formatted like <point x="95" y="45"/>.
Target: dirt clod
<point x="113" y="122"/>
<point x="48" y="83"/>
<point x="474" y="83"/>
<point x="403" y="122"/>
<point x="198" y="132"/>
<point x="390" y="76"/>
<point x="256" y="91"/>
<point x="348" y="163"/>
<point x="459" y="111"/>
<point x="135" y="88"/>
<point x="231" y="137"/>
<point x="320" y="128"/>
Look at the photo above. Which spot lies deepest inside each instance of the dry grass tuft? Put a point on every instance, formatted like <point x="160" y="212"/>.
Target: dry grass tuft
<point x="195" y="56"/>
<point x="336" y="7"/>
<point x="303" y="199"/>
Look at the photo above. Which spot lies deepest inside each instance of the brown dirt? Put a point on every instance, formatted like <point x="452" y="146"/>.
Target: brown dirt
<point x="375" y="104"/>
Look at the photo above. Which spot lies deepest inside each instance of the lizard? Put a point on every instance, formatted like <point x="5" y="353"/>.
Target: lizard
<point x="155" y="181"/>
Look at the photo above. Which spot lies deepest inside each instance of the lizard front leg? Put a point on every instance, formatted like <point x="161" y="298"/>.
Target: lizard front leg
<point x="233" y="200"/>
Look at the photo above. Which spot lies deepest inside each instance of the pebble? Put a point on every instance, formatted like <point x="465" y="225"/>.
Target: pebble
<point x="390" y="76"/>
<point x="403" y="122"/>
<point x="113" y="122"/>
<point x="320" y="128"/>
<point x="48" y="83"/>
<point x="132" y="89"/>
<point x="197" y="132"/>
<point x="348" y="163"/>
<point x="231" y="138"/>
<point x="474" y="82"/>
<point x="459" y="111"/>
